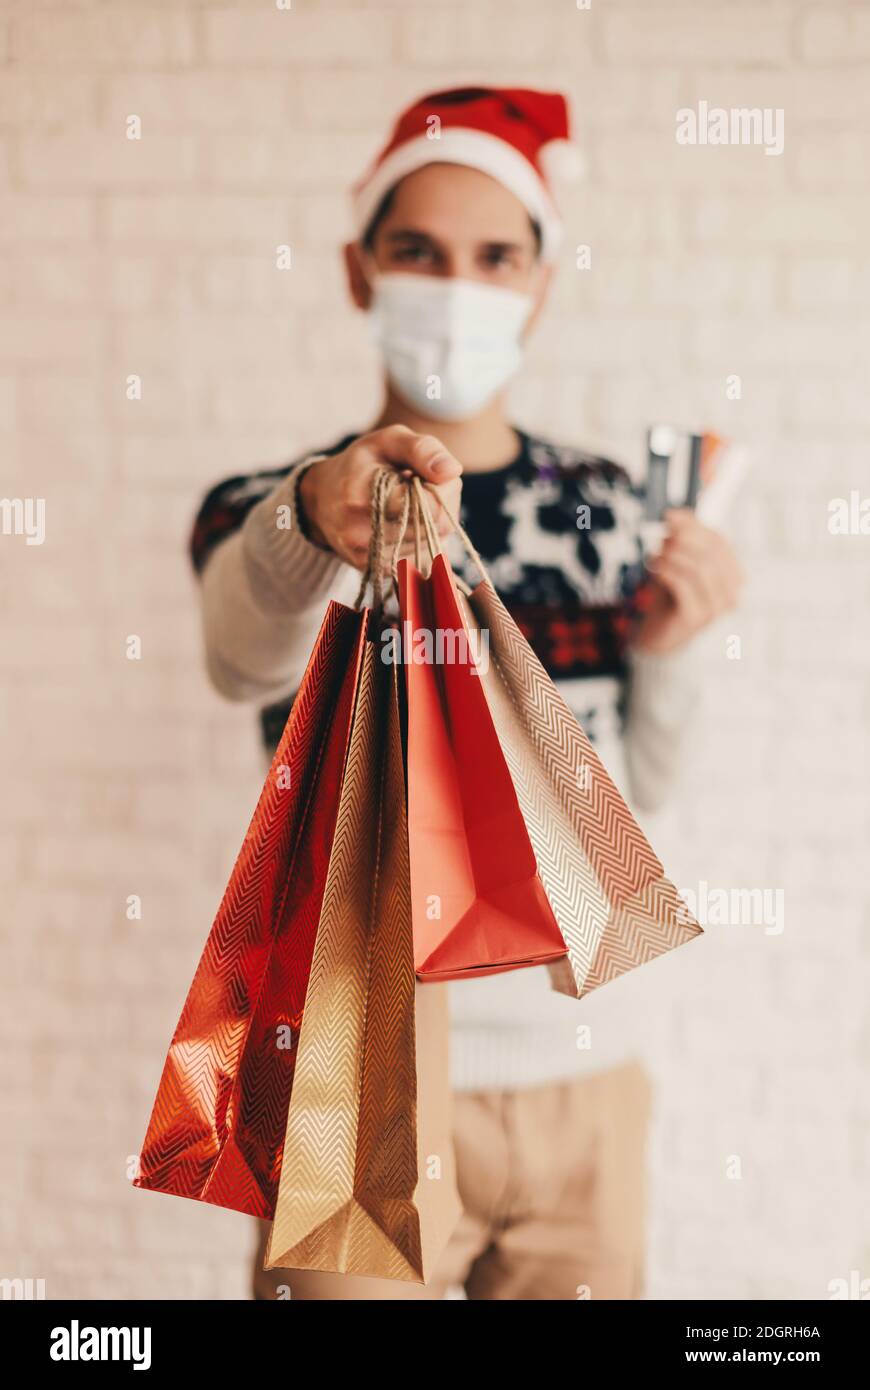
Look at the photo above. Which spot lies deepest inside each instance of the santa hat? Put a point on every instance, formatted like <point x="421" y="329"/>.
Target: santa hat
<point x="517" y="136"/>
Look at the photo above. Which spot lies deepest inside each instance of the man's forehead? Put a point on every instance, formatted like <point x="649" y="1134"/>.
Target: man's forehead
<point x="452" y="200"/>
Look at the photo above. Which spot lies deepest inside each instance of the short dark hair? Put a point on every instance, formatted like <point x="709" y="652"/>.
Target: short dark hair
<point x="371" y="231"/>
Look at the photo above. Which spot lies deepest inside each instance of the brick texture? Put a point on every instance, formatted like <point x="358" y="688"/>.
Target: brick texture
<point x="156" y="257"/>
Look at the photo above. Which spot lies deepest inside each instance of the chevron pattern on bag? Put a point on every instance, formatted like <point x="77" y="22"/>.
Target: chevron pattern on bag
<point x="637" y="930"/>
<point x="217" y="1128"/>
<point x="351" y="1197"/>
<point x="579" y="903"/>
<point x="614" y="906"/>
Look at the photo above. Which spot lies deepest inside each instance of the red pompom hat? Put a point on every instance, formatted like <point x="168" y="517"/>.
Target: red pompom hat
<point x="510" y="133"/>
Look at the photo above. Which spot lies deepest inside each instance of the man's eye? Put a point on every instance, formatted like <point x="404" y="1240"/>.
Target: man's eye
<point x="496" y="257"/>
<point x="416" y="255"/>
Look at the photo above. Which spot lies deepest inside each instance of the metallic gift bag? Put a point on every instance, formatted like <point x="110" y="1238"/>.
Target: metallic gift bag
<point x="217" y="1128"/>
<point x="368" y="1184"/>
<point x="614" y="906"/>
<point x="479" y="905"/>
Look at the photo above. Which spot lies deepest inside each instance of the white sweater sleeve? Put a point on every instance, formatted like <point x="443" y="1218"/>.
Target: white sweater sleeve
<point x="663" y="699"/>
<point x="264" y="592"/>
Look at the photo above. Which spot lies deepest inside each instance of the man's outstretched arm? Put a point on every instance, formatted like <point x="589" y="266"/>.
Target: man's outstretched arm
<point x="267" y="583"/>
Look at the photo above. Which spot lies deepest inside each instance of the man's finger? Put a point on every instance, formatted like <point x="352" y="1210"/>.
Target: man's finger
<point x="681" y="590"/>
<point x="680" y="516"/>
<point x="422" y="453"/>
<point x="702" y="583"/>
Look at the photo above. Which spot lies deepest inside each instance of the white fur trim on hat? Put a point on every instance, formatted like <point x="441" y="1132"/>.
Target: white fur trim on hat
<point x="477" y="150"/>
<point x="561" y="161"/>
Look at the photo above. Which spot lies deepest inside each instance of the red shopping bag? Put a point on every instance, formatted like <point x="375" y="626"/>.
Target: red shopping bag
<point x="478" y="904"/>
<point x="217" y="1129"/>
<point x="611" y="898"/>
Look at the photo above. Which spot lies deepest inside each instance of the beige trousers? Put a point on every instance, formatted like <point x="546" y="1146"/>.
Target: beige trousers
<point x="552" y="1181"/>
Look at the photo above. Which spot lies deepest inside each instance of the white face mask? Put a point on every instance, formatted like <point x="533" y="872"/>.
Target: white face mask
<point x="449" y="345"/>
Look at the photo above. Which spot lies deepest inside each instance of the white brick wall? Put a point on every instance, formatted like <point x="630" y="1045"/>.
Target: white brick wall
<point x="157" y="258"/>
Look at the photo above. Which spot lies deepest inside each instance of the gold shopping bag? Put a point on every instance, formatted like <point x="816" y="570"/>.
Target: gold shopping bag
<point x="368" y="1180"/>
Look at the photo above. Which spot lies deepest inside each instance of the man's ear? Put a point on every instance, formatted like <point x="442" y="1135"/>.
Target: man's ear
<point x="545" y="272"/>
<point x="358" y="285"/>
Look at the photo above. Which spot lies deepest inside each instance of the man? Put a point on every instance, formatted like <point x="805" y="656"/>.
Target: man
<point x="457" y="232"/>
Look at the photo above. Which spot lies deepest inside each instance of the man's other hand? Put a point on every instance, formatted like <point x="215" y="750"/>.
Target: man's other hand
<point x="696" y="579"/>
